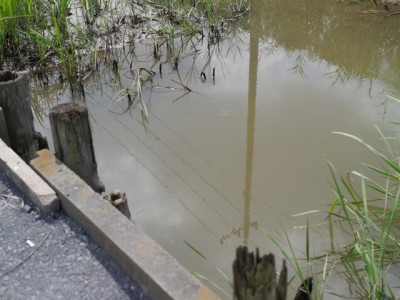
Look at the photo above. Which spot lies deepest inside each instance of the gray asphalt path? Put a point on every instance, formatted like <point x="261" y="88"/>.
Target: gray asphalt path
<point x="51" y="257"/>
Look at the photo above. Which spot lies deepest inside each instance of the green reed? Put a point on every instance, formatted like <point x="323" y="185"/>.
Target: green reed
<point x="33" y="32"/>
<point x="371" y="211"/>
<point x="13" y="14"/>
<point x="50" y="32"/>
<point x="207" y="279"/>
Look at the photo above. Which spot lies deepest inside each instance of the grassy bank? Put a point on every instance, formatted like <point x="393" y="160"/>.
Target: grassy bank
<point x="60" y="33"/>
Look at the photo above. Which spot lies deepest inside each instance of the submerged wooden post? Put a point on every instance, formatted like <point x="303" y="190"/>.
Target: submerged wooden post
<point x="120" y="201"/>
<point x="73" y="142"/>
<point x="254" y="277"/>
<point x="14" y="100"/>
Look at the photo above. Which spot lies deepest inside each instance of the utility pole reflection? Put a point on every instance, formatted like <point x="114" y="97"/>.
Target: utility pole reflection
<point x="255" y="27"/>
<point x="256" y="8"/>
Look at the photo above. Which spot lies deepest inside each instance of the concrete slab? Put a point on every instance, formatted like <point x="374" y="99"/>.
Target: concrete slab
<point x="159" y="274"/>
<point x="27" y="180"/>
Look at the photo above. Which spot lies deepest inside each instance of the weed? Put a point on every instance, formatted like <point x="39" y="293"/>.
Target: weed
<point x="370" y="210"/>
<point x="205" y="278"/>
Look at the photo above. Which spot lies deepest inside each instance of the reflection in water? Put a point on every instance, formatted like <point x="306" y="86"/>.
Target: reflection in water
<point x="255" y="9"/>
<point x="357" y="45"/>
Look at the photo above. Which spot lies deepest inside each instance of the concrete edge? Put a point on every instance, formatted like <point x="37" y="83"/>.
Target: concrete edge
<point x="154" y="269"/>
<point x="42" y="195"/>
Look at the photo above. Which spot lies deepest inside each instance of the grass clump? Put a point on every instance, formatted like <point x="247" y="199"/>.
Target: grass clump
<point x="34" y="33"/>
<point x="13" y="17"/>
<point x="371" y="212"/>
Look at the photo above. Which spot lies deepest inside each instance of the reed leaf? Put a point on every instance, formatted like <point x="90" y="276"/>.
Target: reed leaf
<point x="219" y="270"/>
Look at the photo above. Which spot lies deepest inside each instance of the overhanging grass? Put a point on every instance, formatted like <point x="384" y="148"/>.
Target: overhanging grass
<point x="371" y="211"/>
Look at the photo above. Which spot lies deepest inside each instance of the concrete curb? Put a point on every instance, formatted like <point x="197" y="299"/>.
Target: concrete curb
<point x="27" y="180"/>
<point x="158" y="273"/>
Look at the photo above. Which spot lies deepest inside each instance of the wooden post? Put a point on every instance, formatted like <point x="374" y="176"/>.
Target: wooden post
<point x="3" y="128"/>
<point x="14" y="100"/>
<point x="254" y="277"/>
<point x="120" y="201"/>
<point x="73" y="142"/>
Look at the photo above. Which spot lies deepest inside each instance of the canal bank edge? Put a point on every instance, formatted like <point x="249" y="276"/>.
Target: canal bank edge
<point x="158" y="273"/>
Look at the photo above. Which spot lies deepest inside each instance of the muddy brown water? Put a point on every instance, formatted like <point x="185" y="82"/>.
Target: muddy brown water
<point x="249" y="149"/>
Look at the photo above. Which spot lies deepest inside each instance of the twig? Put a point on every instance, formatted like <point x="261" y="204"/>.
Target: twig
<point x="180" y="97"/>
<point x="26" y="258"/>
<point x="14" y="207"/>
<point x="184" y="86"/>
<point x="13" y="198"/>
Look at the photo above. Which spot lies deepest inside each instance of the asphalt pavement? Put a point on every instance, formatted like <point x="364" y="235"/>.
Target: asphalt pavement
<point x="51" y="257"/>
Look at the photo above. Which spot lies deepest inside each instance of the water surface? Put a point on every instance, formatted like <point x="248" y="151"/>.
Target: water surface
<point x="249" y="149"/>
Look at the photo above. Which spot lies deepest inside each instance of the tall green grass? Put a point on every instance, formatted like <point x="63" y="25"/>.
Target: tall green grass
<point x="40" y="33"/>
<point x="205" y="17"/>
<point x="371" y="210"/>
<point x="31" y="29"/>
<point x="36" y="33"/>
<point x="13" y="16"/>
<point x="207" y="279"/>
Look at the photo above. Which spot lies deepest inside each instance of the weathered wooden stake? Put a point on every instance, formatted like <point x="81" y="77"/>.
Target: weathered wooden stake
<point x="254" y="277"/>
<point x="120" y="201"/>
<point x="14" y="100"/>
<point x="73" y="142"/>
<point x="3" y="128"/>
